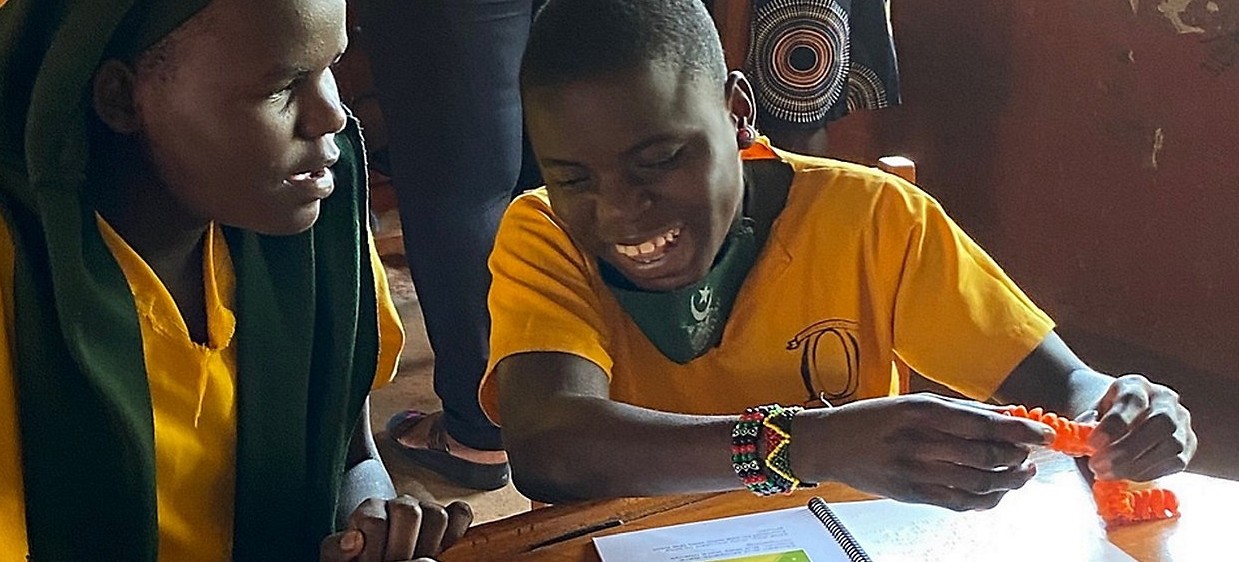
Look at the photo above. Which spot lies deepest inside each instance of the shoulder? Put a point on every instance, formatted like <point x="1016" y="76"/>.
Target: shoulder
<point x="846" y="193"/>
<point x="529" y="226"/>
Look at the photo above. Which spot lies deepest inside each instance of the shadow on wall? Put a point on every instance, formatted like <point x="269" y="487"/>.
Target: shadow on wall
<point x="1090" y="147"/>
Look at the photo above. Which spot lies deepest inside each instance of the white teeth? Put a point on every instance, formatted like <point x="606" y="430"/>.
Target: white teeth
<point x="649" y="246"/>
<point x="301" y="177"/>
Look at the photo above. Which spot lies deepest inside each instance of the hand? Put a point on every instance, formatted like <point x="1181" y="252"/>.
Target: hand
<point x="1142" y="433"/>
<point x="398" y="529"/>
<point x="923" y="448"/>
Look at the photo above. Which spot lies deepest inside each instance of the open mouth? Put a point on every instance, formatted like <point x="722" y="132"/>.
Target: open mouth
<point x="650" y="251"/>
<point x="312" y="185"/>
<point x="310" y="175"/>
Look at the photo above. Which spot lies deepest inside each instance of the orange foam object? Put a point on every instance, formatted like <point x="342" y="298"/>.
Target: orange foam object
<point x="1070" y="437"/>
<point x="1118" y="503"/>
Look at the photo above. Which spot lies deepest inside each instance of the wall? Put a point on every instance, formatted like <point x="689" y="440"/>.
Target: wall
<point x="1092" y="147"/>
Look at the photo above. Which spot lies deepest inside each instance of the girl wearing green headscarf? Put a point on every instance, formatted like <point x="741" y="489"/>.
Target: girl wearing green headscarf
<point x="192" y="311"/>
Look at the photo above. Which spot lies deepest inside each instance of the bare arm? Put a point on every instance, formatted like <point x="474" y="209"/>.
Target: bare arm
<point x="364" y="473"/>
<point x="568" y="441"/>
<point x="1143" y="431"/>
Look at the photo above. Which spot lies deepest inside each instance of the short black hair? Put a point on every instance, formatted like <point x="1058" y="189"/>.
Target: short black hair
<point x="160" y="60"/>
<point x="573" y="40"/>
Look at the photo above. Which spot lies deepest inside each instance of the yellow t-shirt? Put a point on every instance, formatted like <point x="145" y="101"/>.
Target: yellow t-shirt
<point x="861" y="271"/>
<point x="193" y="397"/>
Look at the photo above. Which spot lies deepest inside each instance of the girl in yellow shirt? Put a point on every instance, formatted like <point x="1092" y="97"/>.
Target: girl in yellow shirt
<point x="676" y="272"/>
<point x="192" y="311"/>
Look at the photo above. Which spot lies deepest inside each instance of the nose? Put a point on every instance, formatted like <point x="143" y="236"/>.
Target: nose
<point x="323" y="113"/>
<point x="623" y="202"/>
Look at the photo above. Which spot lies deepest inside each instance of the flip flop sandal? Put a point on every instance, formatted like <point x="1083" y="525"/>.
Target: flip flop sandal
<point x="437" y="458"/>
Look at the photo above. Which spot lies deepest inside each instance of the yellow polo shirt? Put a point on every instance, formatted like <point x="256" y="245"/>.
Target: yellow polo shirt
<point x="861" y="271"/>
<point x="193" y="396"/>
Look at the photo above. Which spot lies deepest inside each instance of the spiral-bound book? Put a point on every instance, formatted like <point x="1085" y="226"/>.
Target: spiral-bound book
<point x="786" y="535"/>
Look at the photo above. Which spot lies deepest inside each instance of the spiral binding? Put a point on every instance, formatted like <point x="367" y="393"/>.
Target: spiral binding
<point x="838" y="531"/>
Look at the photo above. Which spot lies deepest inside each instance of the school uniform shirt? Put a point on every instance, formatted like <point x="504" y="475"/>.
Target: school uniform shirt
<point x="193" y="397"/>
<point x="862" y="271"/>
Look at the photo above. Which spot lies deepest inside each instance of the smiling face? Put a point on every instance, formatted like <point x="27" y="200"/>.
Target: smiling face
<point x="642" y="167"/>
<point x="240" y="128"/>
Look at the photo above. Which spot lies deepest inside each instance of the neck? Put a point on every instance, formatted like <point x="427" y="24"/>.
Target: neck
<point x="142" y="210"/>
<point x="158" y="228"/>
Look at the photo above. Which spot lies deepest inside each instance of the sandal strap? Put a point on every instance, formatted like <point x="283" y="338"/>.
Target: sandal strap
<point x="437" y="439"/>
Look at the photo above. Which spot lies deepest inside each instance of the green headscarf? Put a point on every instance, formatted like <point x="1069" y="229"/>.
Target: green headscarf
<point x="306" y="318"/>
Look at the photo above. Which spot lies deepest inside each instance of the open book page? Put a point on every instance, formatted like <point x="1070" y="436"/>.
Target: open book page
<point x="786" y="535"/>
<point x="1051" y="518"/>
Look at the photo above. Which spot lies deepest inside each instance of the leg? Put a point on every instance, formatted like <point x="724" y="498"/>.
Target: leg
<point x="446" y="72"/>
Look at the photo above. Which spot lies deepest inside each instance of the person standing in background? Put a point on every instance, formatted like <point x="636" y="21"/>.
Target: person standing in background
<point x="446" y="75"/>
<point x="814" y="61"/>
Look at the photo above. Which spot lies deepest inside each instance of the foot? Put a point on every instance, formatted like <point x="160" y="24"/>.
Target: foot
<point x="417" y="436"/>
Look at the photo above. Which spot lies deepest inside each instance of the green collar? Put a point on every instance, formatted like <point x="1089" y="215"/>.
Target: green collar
<point x="686" y="323"/>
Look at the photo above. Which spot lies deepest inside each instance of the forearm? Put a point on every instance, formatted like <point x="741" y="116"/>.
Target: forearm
<point x="366" y="479"/>
<point x="1054" y="378"/>
<point x="590" y="447"/>
<point x="365" y="476"/>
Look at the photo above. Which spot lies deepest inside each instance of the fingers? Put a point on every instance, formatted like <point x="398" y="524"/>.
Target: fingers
<point x="1144" y="432"/>
<point x="983" y="455"/>
<point x="953" y="498"/>
<point x="404" y="519"/>
<point x="977" y="482"/>
<point x="433" y="526"/>
<point x="396" y="530"/>
<point x="973" y="422"/>
<point x="1124" y="403"/>
<point x="459" y="517"/>
<point x="341" y="547"/>
<point x="371" y="519"/>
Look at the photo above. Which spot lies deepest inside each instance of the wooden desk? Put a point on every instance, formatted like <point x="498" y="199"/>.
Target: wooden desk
<point x="1206" y="530"/>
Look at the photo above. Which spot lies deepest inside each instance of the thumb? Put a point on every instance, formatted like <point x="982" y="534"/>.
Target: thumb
<point x="342" y="547"/>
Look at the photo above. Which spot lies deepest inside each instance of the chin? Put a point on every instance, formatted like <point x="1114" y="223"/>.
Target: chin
<point x="293" y="223"/>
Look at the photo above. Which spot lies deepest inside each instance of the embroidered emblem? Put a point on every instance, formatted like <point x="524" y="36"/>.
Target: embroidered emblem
<point x="707" y="299"/>
<point x="829" y="353"/>
<point x="704" y="310"/>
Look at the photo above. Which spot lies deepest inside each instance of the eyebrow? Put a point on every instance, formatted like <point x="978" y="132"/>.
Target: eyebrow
<point x="651" y="141"/>
<point x="632" y="150"/>
<point x="284" y="72"/>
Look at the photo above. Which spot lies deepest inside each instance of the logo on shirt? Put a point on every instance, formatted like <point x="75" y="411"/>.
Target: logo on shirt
<point x="705" y="296"/>
<point x="704" y="310"/>
<point x="829" y="356"/>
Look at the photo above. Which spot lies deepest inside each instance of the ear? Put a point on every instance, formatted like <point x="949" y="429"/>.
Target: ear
<point x="740" y="99"/>
<point x="112" y="96"/>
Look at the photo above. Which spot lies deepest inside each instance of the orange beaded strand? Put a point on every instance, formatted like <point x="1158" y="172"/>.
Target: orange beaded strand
<point x="1118" y="503"/>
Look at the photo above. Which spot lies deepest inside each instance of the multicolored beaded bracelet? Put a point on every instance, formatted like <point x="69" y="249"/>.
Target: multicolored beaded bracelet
<point x="745" y="457"/>
<point x="769" y="472"/>
<point x="777" y="429"/>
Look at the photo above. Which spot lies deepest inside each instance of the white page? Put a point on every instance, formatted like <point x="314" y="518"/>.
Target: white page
<point x="1040" y="522"/>
<point x="786" y="535"/>
<point x="1051" y="518"/>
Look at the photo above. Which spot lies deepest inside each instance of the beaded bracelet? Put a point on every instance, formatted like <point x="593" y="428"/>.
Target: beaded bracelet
<point x="778" y="438"/>
<point x="769" y="473"/>
<point x="745" y="458"/>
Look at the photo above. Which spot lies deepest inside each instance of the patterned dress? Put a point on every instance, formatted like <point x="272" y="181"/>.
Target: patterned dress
<point x="813" y="61"/>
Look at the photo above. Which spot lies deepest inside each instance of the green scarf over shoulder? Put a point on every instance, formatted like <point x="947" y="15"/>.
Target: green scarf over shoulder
<point x="306" y="318"/>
